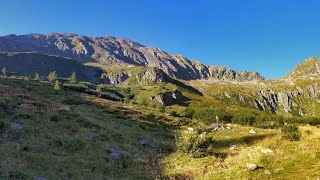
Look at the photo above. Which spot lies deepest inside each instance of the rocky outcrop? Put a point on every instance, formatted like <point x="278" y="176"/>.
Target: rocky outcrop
<point x="170" y="98"/>
<point x="142" y="76"/>
<point x="287" y="101"/>
<point x="110" y="50"/>
<point x="114" y="78"/>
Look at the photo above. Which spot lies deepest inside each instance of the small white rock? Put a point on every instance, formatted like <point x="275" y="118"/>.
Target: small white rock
<point x="267" y="172"/>
<point x="190" y="129"/>
<point x="233" y="147"/>
<point x="251" y="166"/>
<point x="252" y="131"/>
<point x="202" y="135"/>
<point x="266" y="151"/>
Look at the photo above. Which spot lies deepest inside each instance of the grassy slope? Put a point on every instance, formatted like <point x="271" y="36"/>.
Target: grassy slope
<point x="54" y="143"/>
<point x="290" y="160"/>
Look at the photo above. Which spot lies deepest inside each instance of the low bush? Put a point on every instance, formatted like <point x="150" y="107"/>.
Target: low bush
<point x="71" y="101"/>
<point x="198" y="146"/>
<point x="76" y="87"/>
<point x="291" y="132"/>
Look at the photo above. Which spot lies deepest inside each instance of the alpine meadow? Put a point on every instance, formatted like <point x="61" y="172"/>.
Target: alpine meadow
<point x="80" y="104"/>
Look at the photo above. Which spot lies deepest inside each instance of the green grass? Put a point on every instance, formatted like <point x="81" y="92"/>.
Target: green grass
<point x="56" y="141"/>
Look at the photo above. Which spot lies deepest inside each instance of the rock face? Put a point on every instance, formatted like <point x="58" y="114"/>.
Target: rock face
<point x="110" y="50"/>
<point x="287" y="101"/>
<point x="142" y="76"/>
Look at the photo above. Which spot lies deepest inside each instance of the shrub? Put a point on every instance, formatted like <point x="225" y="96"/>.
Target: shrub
<point x="160" y="108"/>
<point x="205" y="115"/>
<point x="291" y="132"/>
<point x="76" y="87"/>
<point x="199" y="147"/>
<point x="244" y="118"/>
<point x="71" y="101"/>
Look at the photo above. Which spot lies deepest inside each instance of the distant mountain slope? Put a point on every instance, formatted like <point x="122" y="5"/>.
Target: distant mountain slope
<point x="31" y="63"/>
<point x="110" y="50"/>
<point x="307" y="68"/>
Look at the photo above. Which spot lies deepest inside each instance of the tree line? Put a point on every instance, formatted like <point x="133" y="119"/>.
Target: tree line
<point x="52" y="77"/>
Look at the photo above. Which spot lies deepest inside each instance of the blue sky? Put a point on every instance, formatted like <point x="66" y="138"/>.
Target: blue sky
<point x="268" y="36"/>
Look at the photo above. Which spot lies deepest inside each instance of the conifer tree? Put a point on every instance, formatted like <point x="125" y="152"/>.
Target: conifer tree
<point x="52" y="76"/>
<point x="57" y="86"/>
<point x="73" y="78"/>
<point x="37" y="77"/>
<point x="4" y="71"/>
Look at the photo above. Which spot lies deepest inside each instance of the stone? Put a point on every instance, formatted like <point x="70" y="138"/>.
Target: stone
<point x="202" y="135"/>
<point x="93" y="135"/>
<point x="190" y="129"/>
<point x="267" y="172"/>
<point x="147" y="146"/>
<point x="5" y="134"/>
<point x="266" y="151"/>
<point x="233" y="147"/>
<point x="251" y="166"/>
<point x="16" y="126"/>
<point x="116" y="154"/>
<point x="139" y="160"/>
<point x="253" y="131"/>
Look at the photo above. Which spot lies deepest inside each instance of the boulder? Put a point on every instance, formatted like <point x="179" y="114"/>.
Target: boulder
<point x="202" y="135"/>
<point x="251" y="166"/>
<point x="233" y="147"/>
<point x="267" y="172"/>
<point x="147" y="146"/>
<point x="139" y="160"/>
<point x="253" y="131"/>
<point x="16" y="126"/>
<point x="116" y="154"/>
<point x="92" y="135"/>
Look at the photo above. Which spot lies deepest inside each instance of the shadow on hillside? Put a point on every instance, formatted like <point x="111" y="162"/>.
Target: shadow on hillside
<point x="219" y="146"/>
<point x="160" y="129"/>
<point x="247" y="140"/>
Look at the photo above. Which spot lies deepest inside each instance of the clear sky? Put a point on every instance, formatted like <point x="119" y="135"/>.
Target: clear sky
<point x="268" y="36"/>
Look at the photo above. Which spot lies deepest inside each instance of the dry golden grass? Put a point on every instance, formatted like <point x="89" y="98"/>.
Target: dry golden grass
<point x="289" y="160"/>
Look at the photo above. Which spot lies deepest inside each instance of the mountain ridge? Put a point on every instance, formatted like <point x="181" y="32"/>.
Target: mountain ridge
<point x="110" y="50"/>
